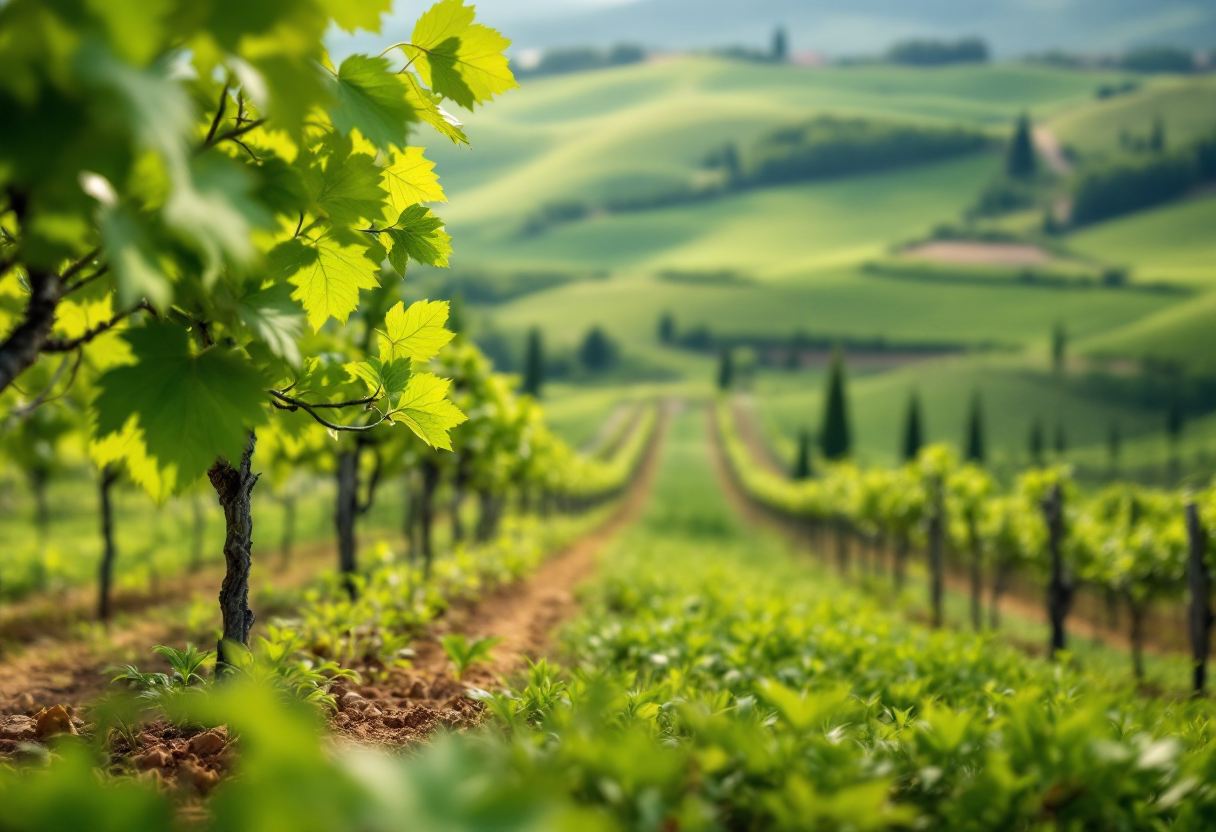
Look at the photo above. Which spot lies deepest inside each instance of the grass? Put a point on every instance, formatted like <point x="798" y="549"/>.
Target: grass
<point x="1186" y="106"/>
<point x="1176" y="243"/>
<point x="589" y="135"/>
<point x="1013" y="394"/>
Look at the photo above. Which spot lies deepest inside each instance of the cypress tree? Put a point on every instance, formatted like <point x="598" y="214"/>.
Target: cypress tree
<point x="726" y="369"/>
<point x="1021" y="162"/>
<point x="1059" y="348"/>
<point x="1174" y="419"/>
<point x="456" y="321"/>
<point x="913" y="432"/>
<point x="781" y="46"/>
<point x="534" y="364"/>
<point x="598" y="352"/>
<point x="802" y="463"/>
<point x="835" y="441"/>
<point x="976" y="452"/>
<point x="667" y="328"/>
<point x="1036" y="442"/>
<point x="1156" y="139"/>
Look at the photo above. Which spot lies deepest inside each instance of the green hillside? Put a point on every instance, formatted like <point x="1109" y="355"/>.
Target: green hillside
<point x="1186" y="106"/>
<point x="1175" y="243"/>
<point x="796" y="253"/>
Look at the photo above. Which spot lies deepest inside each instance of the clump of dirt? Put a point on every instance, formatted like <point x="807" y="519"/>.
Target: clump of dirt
<point x="403" y="711"/>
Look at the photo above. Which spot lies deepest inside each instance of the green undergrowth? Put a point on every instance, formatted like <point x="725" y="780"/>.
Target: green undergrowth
<point x="717" y="682"/>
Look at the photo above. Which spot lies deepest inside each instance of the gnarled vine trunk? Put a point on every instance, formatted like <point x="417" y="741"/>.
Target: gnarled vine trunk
<point x="426" y="513"/>
<point x="345" y="512"/>
<point x="936" y="564"/>
<point x="109" y="475"/>
<point x="288" y="537"/>
<point x="977" y="576"/>
<point x="900" y="567"/>
<point x="1199" y="584"/>
<point x="1059" y="587"/>
<point x="842" y="545"/>
<point x="234" y="487"/>
<point x="1136" y="610"/>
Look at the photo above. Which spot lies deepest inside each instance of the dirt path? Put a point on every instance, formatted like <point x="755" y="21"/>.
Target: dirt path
<point x="526" y="614"/>
<point x="1052" y="151"/>
<point x="1012" y="603"/>
<point x="52" y="669"/>
<point x="405" y="707"/>
<point x="401" y="708"/>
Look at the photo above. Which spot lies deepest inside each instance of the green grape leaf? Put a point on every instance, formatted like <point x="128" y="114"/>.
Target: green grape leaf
<point x="328" y="273"/>
<point x="275" y="319"/>
<point x="370" y="96"/>
<point x="129" y="252"/>
<point x="191" y="407"/>
<point x="417" y="333"/>
<point x="426" y="106"/>
<point x="411" y="179"/>
<point x="388" y="378"/>
<point x="357" y="14"/>
<point x="347" y="187"/>
<point x="418" y="234"/>
<point x="424" y="408"/>
<point x="457" y="58"/>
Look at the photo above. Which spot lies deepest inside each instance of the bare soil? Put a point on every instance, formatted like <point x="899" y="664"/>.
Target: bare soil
<point x="399" y="709"/>
<point x="976" y="253"/>
<point x="405" y="709"/>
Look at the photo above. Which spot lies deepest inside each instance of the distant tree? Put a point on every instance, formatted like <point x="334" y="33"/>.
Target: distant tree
<point x="1159" y="59"/>
<point x="1174" y="421"/>
<point x="835" y="440"/>
<point x="1114" y="445"/>
<point x="937" y="52"/>
<point x="667" y="328"/>
<point x="456" y="318"/>
<point x="598" y="352"/>
<point x="913" y="431"/>
<point x="802" y="462"/>
<point x="1059" y="348"/>
<point x="1156" y="139"/>
<point x="534" y="364"/>
<point x="726" y="369"/>
<point x="976" y="452"/>
<point x="1021" y="162"/>
<point x="1061" y="443"/>
<point x="781" y="45"/>
<point x="1036" y="442"/>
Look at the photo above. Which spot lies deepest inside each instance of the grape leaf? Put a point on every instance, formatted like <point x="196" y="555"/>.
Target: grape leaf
<point x="417" y="333"/>
<point x="328" y="273"/>
<point x="357" y="14"/>
<point x="137" y="275"/>
<point x="457" y="58"/>
<point x="426" y="107"/>
<point x="348" y="186"/>
<point x="388" y="378"/>
<point x="191" y="407"/>
<point x="419" y="234"/>
<point x="425" y="409"/>
<point x="370" y="96"/>
<point x="127" y="446"/>
<point x="273" y="317"/>
<point x="411" y="179"/>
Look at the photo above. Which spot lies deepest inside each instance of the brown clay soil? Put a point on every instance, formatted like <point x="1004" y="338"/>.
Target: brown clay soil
<point x="45" y="690"/>
<point x="410" y="703"/>
<point x="974" y="253"/>
<point x="1022" y="600"/>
